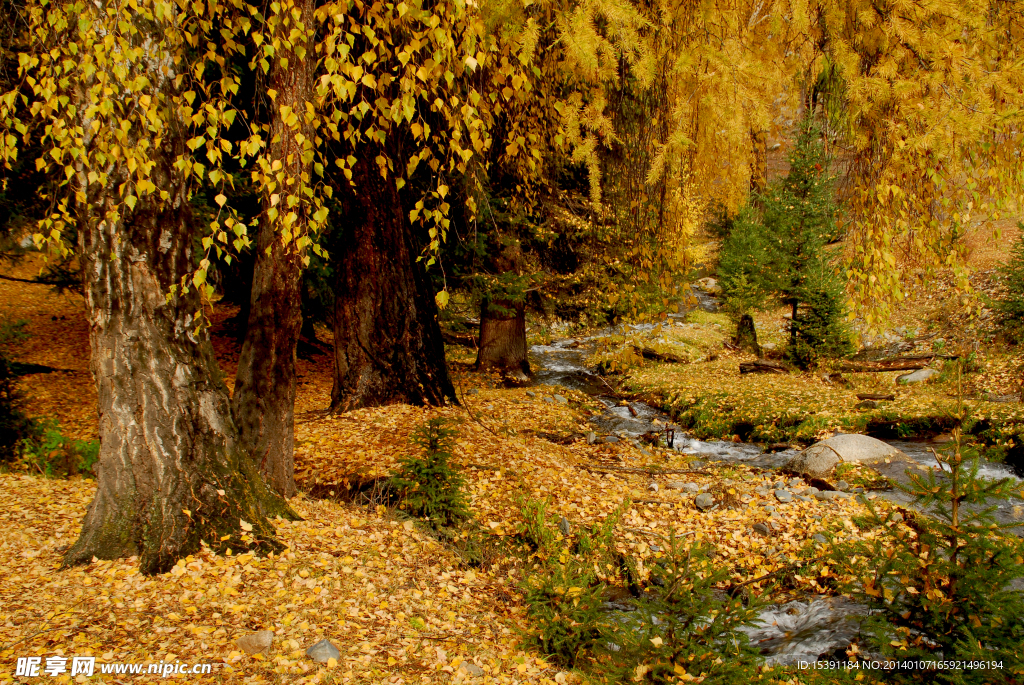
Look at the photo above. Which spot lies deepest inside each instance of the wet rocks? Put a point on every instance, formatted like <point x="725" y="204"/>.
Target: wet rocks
<point x="255" y="643"/>
<point x="704" y="501"/>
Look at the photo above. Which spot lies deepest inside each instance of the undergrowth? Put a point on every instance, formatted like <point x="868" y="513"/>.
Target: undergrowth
<point x="682" y="627"/>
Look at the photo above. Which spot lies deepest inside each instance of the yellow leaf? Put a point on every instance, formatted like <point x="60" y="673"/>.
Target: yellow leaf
<point x="246" y="526"/>
<point x="221" y="199"/>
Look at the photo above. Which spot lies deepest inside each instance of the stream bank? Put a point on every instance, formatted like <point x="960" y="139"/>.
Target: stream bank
<point x="799" y="630"/>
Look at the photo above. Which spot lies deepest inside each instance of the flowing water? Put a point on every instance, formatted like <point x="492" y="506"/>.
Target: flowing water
<point x="787" y="633"/>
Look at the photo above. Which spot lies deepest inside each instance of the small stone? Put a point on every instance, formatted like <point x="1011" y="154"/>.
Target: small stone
<point x="654" y="547"/>
<point x="531" y="393"/>
<point x="323" y="651"/>
<point x="819" y="538"/>
<point x="255" y="642"/>
<point x="784" y="495"/>
<point x="470" y="668"/>
<point x="653" y="487"/>
<point x="842" y="485"/>
<point x="564" y="526"/>
<point x="839" y="494"/>
<point x="561" y="399"/>
<point x="591" y="438"/>
<point x="704" y="501"/>
<point x="866" y="404"/>
<point x="769" y="508"/>
<point x="825" y="494"/>
<point x="812" y="491"/>
<point x="472" y="391"/>
<point x="803" y="498"/>
<point x="548" y="400"/>
<point x="645" y="452"/>
<point x="793" y="482"/>
<point x="610" y="438"/>
<point x="762" y="528"/>
<point x="705" y="488"/>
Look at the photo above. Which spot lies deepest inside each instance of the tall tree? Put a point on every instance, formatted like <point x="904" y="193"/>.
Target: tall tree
<point x="264" y="396"/>
<point x="112" y="88"/>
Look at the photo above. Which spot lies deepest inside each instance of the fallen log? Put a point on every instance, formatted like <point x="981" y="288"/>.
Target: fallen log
<point x="762" y="366"/>
<point x="654" y="355"/>
<point x="462" y="339"/>
<point x="875" y="396"/>
<point x="897" y="364"/>
<point x="602" y="468"/>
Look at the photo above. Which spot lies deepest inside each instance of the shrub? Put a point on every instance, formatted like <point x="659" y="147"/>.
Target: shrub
<point x="16" y="427"/>
<point x="431" y="487"/>
<point x="686" y="627"/>
<point x="54" y="455"/>
<point x="561" y="588"/>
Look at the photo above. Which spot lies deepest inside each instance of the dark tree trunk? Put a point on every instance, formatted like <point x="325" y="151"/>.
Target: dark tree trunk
<point x="170" y="473"/>
<point x="746" y="335"/>
<point x="503" y="337"/>
<point x="759" y="163"/>
<point x="387" y="341"/>
<point x="264" y="399"/>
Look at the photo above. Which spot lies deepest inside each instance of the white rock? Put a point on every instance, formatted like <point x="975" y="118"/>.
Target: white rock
<point x="818" y="460"/>
<point x="918" y="376"/>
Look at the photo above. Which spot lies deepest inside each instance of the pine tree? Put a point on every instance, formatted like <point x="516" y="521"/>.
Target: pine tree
<point x="781" y="254"/>
<point x="1011" y="307"/>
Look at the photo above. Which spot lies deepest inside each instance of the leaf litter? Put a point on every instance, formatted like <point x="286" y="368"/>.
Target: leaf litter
<point x="400" y="606"/>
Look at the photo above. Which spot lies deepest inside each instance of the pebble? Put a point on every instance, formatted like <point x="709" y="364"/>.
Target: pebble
<point x="531" y="393"/>
<point x="793" y="482"/>
<point x="784" y="495"/>
<point x="803" y="498"/>
<point x="548" y="400"/>
<point x="704" y="501"/>
<point x="323" y="651"/>
<point x="255" y="642"/>
<point x="564" y="526"/>
<point x="826" y="494"/>
<point x="819" y="538"/>
<point x="470" y="668"/>
<point x="591" y="438"/>
<point x="473" y="391"/>
<point x="561" y="399"/>
<point x="769" y="508"/>
<point x="762" y="528"/>
<point x="610" y="438"/>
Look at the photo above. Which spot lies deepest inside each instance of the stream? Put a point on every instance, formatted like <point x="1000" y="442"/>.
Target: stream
<point x="800" y="630"/>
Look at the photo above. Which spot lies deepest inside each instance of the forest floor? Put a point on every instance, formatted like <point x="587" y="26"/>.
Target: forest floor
<point x="400" y="606"/>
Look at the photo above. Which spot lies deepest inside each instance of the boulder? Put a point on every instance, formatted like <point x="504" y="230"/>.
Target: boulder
<point x="919" y="376"/>
<point x="818" y="460"/>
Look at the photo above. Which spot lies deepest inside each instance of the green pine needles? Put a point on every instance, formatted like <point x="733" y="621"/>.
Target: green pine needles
<point x="1011" y="307"/>
<point x="431" y="487"/>
<point x="778" y="252"/>
<point x="940" y="586"/>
